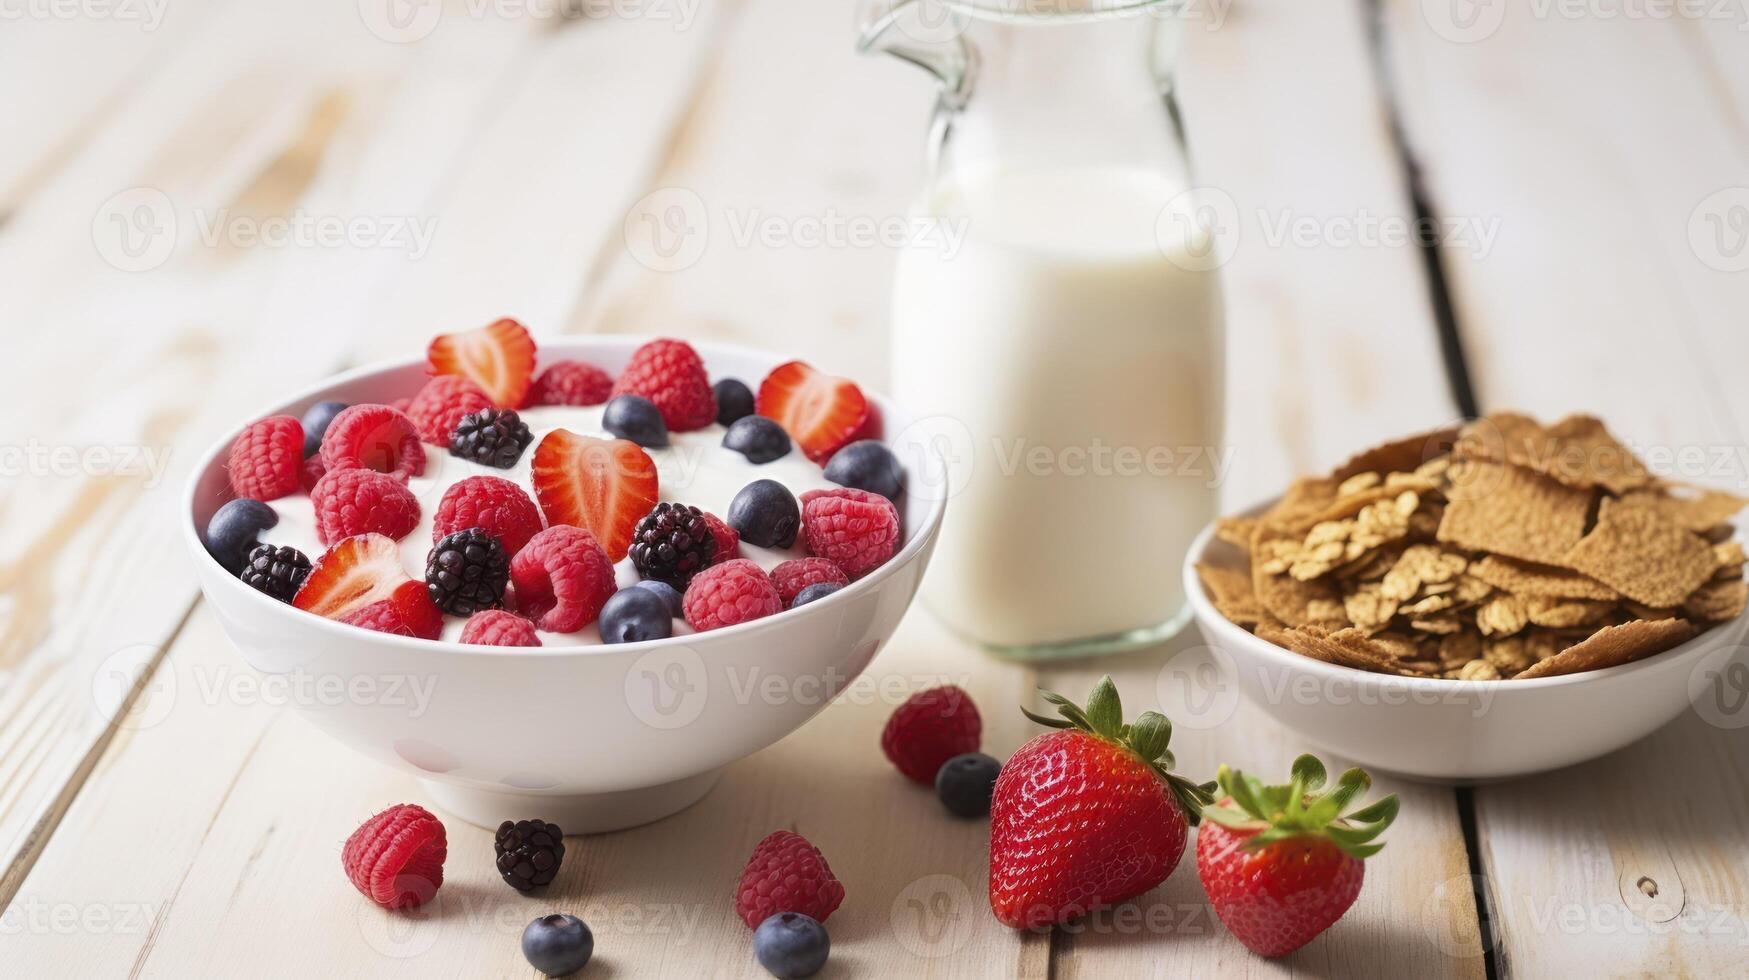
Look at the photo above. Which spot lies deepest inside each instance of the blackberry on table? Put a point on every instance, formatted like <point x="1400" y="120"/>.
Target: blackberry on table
<point x="529" y="852"/>
<point x="276" y="571"/>
<point x="672" y="544"/>
<point x="491" y="437"/>
<point x="467" y="572"/>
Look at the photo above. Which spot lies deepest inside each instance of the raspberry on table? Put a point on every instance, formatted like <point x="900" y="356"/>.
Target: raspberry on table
<point x="562" y="578"/>
<point x="499" y="628"/>
<point x="786" y="874"/>
<point x="467" y="572"/>
<point x="491" y="437"/>
<point x="671" y="374"/>
<point x="490" y="502"/>
<point x="792" y="576"/>
<point x="736" y="591"/>
<point x="728" y="539"/>
<point x="359" y="501"/>
<point x="276" y="571"/>
<point x="267" y="458"/>
<point x="854" y="529"/>
<point x="374" y="437"/>
<point x="571" y="383"/>
<point x="395" y="858"/>
<point x="442" y="403"/>
<point x="672" y="544"/>
<point x="931" y="727"/>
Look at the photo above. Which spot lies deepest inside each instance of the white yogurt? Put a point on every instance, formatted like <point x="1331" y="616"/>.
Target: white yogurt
<point x="693" y="468"/>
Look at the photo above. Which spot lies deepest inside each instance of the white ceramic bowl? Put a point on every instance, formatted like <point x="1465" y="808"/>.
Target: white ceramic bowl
<point x="1456" y="731"/>
<point x="592" y="737"/>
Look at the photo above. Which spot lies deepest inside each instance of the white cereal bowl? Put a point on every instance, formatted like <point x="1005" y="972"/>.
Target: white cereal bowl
<point x="1456" y="731"/>
<point x="596" y="737"/>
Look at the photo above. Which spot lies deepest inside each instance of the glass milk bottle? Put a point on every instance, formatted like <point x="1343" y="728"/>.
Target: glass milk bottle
<point x="1059" y="332"/>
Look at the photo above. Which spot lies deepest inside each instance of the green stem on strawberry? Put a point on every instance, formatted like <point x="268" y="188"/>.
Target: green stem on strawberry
<point x="1148" y="737"/>
<point x="1277" y="813"/>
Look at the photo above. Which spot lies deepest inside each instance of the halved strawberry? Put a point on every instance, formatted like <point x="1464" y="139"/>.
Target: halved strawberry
<point x="820" y="412"/>
<point x="604" y="486"/>
<point x="356" y="572"/>
<point x="499" y="358"/>
<point x="408" y="611"/>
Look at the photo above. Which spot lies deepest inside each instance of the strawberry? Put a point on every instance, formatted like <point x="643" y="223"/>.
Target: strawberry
<point x="604" y="486"/>
<point x="820" y="412"/>
<point x="1089" y="815"/>
<point x="354" y="573"/>
<point x="408" y="611"/>
<point x="1282" y="863"/>
<point x="499" y="358"/>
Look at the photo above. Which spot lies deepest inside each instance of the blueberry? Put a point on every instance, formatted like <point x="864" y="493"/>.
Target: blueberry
<point x="766" y="514"/>
<point x="235" y="529"/>
<point x="758" y="438"/>
<point x="867" y="465"/>
<point x="965" y="783"/>
<point x="791" y="944"/>
<point x="315" y="424"/>
<point x="669" y="594"/>
<point x="734" y="400"/>
<point x="632" y="615"/>
<point x="557" y="944"/>
<point x="636" y="418"/>
<point x="819" y="590"/>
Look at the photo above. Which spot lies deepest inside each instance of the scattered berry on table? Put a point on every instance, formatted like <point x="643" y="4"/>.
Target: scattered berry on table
<point x="315" y="423"/>
<point x="408" y="611"/>
<point x="562" y="579"/>
<point x="634" y="615"/>
<point x="490" y="502"/>
<point x="396" y="857"/>
<point x="786" y="874"/>
<point x="670" y="374"/>
<point x="467" y="571"/>
<point x="931" y="727"/>
<point x="491" y="437"/>
<point x="442" y="404"/>
<point x="818" y="590"/>
<point x="499" y="628"/>
<point x="557" y="944"/>
<point x="867" y="464"/>
<point x="734" y="400"/>
<point x="571" y="383"/>
<point x="636" y="418"/>
<point x="529" y="853"/>
<point x="791" y="945"/>
<point x="1279" y="874"/>
<point x="235" y="529"/>
<point x="276" y="572"/>
<point x="498" y="357"/>
<point x="603" y="485"/>
<point x="854" y="529"/>
<point x="733" y="592"/>
<point x="670" y="596"/>
<point x="374" y="437"/>
<point x="357" y="501"/>
<point x="311" y="472"/>
<point x="965" y="783"/>
<point x="792" y="576"/>
<point x="765" y="514"/>
<point x="758" y="438"/>
<point x="354" y="573"/>
<point x="728" y="542"/>
<point x="673" y="543"/>
<point x="267" y="457"/>
<point x="820" y="412"/>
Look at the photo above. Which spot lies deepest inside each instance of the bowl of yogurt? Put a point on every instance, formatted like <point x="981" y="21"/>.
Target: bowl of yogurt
<point x="589" y="735"/>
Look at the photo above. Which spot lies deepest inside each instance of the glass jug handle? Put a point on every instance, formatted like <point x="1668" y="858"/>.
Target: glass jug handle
<point x="924" y="33"/>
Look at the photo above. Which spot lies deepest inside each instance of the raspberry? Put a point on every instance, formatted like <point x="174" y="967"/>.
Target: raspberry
<point x="496" y="504"/>
<point x="571" y="383"/>
<point x="355" y="501"/>
<point x="930" y="728"/>
<point x="854" y="529"/>
<point x="396" y="857"/>
<point x="797" y="574"/>
<point x="267" y="458"/>
<point x="373" y="437"/>
<point x="670" y="374"/>
<point x="497" y="628"/>
<point x="737" y="591"/>
<point x="562" y="578"/>
<point x="311" y="472"/>
<point x="786" y="874"/>
<point x="728" y="539"/>
<point x="441" y="404"/>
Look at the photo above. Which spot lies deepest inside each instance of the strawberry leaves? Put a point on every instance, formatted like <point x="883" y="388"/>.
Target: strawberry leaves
<point x="1279" y="813"/>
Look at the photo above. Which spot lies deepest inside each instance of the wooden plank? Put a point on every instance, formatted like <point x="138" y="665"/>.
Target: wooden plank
<point x="1615" y="288"/>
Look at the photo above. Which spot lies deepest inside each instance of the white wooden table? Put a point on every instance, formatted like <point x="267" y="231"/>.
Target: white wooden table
<point x="1593" y="173"/>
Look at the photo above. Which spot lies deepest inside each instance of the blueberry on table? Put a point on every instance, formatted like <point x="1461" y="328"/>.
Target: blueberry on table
<point x="235" y="529"/>
<point x="315" y="423"/>
<point x="276" y="572"/>
<point x="758" y="438"/>
<point x="867" y="465"/>
<point x="636" y="418"/>
<point x="557" y="944"/>
<point x="670" y="595"/>
<point x="819" y="590"/>
<point x="766" y="514"/>
<point x="790" y="944"/>
<point x="734" y="400"/>
<point x="633" y="615"/>
<point x="965" y="783"/>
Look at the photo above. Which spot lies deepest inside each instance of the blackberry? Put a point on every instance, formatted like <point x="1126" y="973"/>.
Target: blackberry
<point x="467" y="571"/>
<point x="672" y="544"/>
<point x="277" y="572"/>
<point x="491" y="437"/>
<point x="529" y="852"/>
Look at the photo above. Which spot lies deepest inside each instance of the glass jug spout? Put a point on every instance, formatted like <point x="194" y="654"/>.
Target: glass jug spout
<point x="927" y="34"/>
